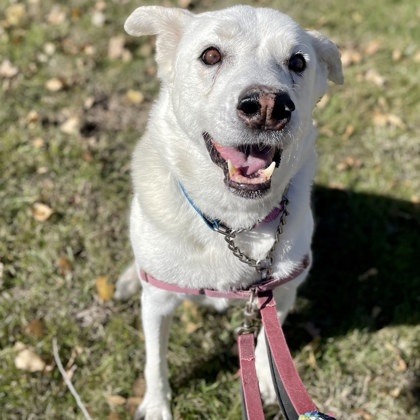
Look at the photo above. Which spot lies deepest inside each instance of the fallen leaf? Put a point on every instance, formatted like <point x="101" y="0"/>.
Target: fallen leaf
<point x="32" y="117"/>
<point x="98" y="18"/>
<point x="70" y="126"/>
<point x="27" y="359"/>
<point x="41" y="212"/>
<point x="372" y="272"/>
<point x="135" y="96"/>
<point x="49" y="48"/>
<point x="15" y="14"/>
<point x="113" y="416"/>
<point x="38" y="142"/>
<point x="348" y="163"/>
<point x="349" y="131"/>
<point x="76" y="14"/>
<point x="116" y="47"/>
<point x="54" y="85"/>
<point x="89" y="49"/>
<point x="113" y="400"/>
<point x="373" y="47"/>
<point x="395" y="121"/>
<point x="374" y="77"/>
<point x="184" y="3"/>
<point x="100" y="5"/>
<point x="337" y="186"/>
<point x="105" y="289"/>
<point x="64" y="266"/>
<point x="311" y="361"/>
<point x="364" y="415"/>
<point x="381" y="119"/>
<point x="401" y="365"/>
<point x="36" y="328"/>
<point x="8" y="70"/>
<point x="42" y="170"/>
<point x="146" y="50"/>
<point x="89" y="102"/>
<point x="350" y="56"/>
<point x="397" y="55"/>
<point x="396" y="392"/>
<point x="56" y="16"/>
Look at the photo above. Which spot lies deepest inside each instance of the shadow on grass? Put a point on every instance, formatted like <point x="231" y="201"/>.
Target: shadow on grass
<point x="366" y="264"/>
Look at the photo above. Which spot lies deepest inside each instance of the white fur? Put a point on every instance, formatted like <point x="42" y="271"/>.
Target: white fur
<point x="169" y="239"/>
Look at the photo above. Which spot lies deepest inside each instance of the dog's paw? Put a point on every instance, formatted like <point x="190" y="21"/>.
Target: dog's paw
<point x="155" y="411"/>
<point x="128" y="284"/>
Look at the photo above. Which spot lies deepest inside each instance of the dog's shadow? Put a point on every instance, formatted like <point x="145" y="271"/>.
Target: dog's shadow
<point x="365" y="274"/>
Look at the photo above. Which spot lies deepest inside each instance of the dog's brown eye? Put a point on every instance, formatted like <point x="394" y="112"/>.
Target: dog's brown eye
<point x="211" y="56"/>
<point x="297" y="63"/>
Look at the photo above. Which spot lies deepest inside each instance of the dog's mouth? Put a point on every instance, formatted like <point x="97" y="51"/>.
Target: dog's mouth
<point x="248" y="168"/>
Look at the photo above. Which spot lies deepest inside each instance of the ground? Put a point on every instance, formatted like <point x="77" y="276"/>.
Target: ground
<point x="75" y="92"/>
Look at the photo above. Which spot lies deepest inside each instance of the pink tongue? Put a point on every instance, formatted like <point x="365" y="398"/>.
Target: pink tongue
<point x="249" y="164"/>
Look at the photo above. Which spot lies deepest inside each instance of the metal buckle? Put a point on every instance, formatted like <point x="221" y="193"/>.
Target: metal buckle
<point x="264" y="267"/>
<point x="252" y="315"/>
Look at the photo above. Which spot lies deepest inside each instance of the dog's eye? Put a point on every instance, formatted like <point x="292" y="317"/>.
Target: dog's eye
<point x="297" y="63"/>
<point x="211" y="56"/>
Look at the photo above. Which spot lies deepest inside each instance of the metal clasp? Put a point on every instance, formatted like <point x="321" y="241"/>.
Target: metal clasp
<point x="252" y="316"/>
<point x="264" y="267"/>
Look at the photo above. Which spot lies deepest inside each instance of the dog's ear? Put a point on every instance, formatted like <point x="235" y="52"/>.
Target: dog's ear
<point x="167" y="24"/>
<point x="328" y="54"/>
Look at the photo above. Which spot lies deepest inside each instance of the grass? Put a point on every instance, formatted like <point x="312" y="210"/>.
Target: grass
<point x="354" y="333"/>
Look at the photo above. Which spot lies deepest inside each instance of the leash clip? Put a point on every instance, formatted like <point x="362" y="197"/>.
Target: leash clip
<point x="252" y="316"/>
<point x="264" y="267"/>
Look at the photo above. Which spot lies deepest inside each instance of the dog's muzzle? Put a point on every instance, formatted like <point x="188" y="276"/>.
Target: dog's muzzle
<point x="249" y="167"/>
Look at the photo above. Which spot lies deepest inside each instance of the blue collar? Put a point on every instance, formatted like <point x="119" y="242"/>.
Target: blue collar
<point x="219" y="226"/>
<point x="213" y="224"/>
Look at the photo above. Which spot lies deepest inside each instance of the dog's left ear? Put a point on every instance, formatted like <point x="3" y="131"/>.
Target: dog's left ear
<point x="329" y="55"/>
<point x="168" y="24"/>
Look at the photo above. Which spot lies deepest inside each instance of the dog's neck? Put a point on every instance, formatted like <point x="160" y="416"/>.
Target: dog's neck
<point x="217" y="225"/>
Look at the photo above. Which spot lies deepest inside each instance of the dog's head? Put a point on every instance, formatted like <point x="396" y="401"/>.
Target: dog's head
<point x="242" y="83"/>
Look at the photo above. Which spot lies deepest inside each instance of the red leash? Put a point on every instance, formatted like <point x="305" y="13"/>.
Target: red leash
<point x="291" y="393"/>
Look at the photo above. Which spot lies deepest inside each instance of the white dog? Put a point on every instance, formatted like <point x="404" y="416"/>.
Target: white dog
<point x="230" y="135"/>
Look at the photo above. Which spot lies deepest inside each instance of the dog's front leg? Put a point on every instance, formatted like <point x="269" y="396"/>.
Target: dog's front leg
<point x="157" y="310"/>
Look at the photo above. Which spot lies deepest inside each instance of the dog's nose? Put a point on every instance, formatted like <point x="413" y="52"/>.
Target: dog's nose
<point x="265" y="109"/>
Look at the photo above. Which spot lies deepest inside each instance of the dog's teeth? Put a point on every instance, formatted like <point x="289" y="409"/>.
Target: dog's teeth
<point x="232" y="170"/>
<point x="268" y="172"/>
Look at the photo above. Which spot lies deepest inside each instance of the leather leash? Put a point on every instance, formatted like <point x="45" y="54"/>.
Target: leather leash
<point x="291" y="393"/>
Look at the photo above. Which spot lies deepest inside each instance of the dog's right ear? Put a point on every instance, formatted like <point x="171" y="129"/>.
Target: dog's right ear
<point x="167" y="24"/>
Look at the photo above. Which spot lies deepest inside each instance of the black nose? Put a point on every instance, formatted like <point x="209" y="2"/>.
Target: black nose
<point x="266" y="109"/>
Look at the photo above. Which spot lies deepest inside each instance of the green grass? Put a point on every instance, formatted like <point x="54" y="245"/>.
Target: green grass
<point x="354" y="333"/>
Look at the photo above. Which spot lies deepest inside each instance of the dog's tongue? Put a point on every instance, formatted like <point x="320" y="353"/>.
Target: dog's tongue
<point x="249" y="159"/>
